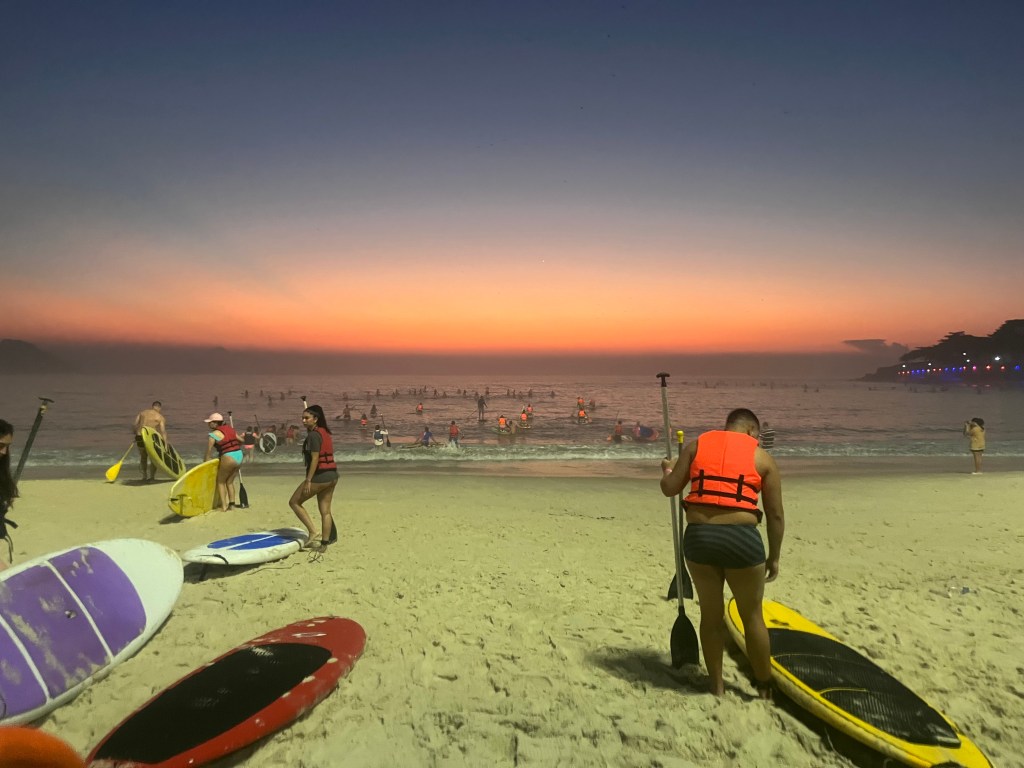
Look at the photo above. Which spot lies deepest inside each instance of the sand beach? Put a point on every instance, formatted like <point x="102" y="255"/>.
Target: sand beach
<point x="517" y="617"/>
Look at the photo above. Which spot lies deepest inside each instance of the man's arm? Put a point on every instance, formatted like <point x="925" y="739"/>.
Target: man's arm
<point x="775" y="518"/>
<point x="672" y="483"/>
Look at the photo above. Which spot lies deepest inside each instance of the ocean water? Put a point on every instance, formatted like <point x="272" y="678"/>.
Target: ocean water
<point x="89" y="422"/>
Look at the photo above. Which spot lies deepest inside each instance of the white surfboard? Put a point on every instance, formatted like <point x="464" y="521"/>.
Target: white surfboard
<point x="249" y="548"/>
<point x="69" y="617"/>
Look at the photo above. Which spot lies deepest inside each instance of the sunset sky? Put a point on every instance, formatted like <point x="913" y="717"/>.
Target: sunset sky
<point x="511" y="176"/>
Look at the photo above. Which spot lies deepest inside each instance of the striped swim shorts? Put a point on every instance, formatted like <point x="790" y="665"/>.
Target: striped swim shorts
<point x="725" y="546"/>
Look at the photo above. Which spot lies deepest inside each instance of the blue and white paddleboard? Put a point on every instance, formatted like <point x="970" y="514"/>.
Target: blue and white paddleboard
<point x="249" y="548"/>
<point x="69" y="617"/>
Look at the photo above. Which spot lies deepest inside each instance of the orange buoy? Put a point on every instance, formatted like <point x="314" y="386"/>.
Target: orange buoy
<point x="22" y="747"/>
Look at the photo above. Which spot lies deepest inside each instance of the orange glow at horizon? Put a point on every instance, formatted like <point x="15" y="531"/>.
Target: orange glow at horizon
<point x="446" y="299"/>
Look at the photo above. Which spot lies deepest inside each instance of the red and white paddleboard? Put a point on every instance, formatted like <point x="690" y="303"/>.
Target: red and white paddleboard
<point x="236" y="699"/>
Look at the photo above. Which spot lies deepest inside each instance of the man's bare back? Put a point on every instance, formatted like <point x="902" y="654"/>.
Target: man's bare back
<point x="152" y="418"/>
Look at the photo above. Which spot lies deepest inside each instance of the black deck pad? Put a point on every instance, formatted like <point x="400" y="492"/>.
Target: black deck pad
<point x="857" y="685"/>
<point x="212" y="701"/>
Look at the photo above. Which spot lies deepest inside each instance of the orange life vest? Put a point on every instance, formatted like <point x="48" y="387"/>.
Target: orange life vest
<point x="453" y="431"/>
<point x="723" y="473"/>
<point x="229" y="442"/>
<point x="325" y="459"/>
<point x="523" y="417"/>
<point x="502" y="423"/>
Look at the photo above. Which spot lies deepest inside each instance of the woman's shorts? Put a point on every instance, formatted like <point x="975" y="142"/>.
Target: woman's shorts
<point x="725" y="546"/>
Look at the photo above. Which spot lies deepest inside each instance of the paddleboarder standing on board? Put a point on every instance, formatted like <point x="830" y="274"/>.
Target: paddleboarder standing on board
<point x="153" y="418"/>
<point x="726" y="470"/>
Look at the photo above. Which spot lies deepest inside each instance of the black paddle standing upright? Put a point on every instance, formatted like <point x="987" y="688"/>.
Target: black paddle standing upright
<point x="243" y="497"/>
<point x="683" y="641"/>
<point x="387" y="435"/>
<point x="31" y="437"/>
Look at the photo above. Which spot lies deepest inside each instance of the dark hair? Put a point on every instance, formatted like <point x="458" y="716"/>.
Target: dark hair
<point x="318" y="413"/>
<point x="742" y="416"/>
<point x="8" y="488"/>
<point x="979" y="422"/>
<point x="157" y="403"/>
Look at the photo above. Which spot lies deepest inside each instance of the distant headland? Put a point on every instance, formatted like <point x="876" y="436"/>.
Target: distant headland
<point x="962" y="358"/>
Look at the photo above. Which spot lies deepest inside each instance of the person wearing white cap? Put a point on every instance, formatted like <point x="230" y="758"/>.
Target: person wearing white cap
<point x="225" y="440"/>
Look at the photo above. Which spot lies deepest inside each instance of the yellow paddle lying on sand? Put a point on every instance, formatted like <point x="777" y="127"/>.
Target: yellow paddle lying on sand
<point x="115" y="470"/>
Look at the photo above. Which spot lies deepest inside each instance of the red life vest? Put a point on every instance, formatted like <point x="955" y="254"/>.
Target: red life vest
<point x="325" y="459"/>
<point x="453" y="431"/>
<point x="229" y="442"/>
<point x="723" y="473"/>
<point x="523" y="417"/>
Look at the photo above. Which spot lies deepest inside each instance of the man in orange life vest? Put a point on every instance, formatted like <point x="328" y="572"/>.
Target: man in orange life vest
<point x="726" y="470"/>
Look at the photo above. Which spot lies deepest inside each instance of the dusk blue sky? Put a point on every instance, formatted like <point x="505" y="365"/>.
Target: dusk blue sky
<point x="520" y="176"/>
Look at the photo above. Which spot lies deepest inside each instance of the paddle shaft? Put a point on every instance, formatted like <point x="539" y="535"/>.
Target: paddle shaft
<point x="115" y="470"/>
<point x="31" y="437"/>
<point x="672" y="499"/>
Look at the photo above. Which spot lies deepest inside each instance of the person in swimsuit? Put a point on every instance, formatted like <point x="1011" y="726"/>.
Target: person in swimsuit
<point x="224" y="440"/>
<point x="249" y="438"/>
<point x="320" y="481"/>
<point x="726" y="470"/>
<point x="975" y="430"/>
<point x="153" y="418"/>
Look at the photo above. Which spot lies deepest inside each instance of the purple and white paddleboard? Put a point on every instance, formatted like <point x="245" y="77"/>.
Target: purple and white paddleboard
<point x="69" y="617"/>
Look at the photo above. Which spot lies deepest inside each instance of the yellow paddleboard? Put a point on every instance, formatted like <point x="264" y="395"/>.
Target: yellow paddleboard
<point x="161" y="453"/>
<point x="851" y="693"/>
<point x="195" y="492"/>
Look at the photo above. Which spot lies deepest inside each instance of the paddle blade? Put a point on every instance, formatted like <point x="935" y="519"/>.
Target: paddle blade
<point x="684" y="644"/>
<point x="114" y="471"/>
<point x="243" y="497"/>
<point x="673" y="590"/>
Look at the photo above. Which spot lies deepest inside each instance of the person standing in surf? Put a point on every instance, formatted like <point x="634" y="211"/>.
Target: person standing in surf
<point x="153" y="418"/>
<point x="224" y="440"/>
<point x="320" y="481"/>
<point x="726" y="470"/>
<point x="8" y="488"/>
<point x="454" y="433"/>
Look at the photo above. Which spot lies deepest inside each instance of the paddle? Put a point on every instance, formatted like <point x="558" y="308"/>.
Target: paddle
<point x="387" y="435"/>
<point x="683" y="640"/>
<point x="115" y="470"/>
<point x="31" y="437"/>
<point x="243" y="497"/>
